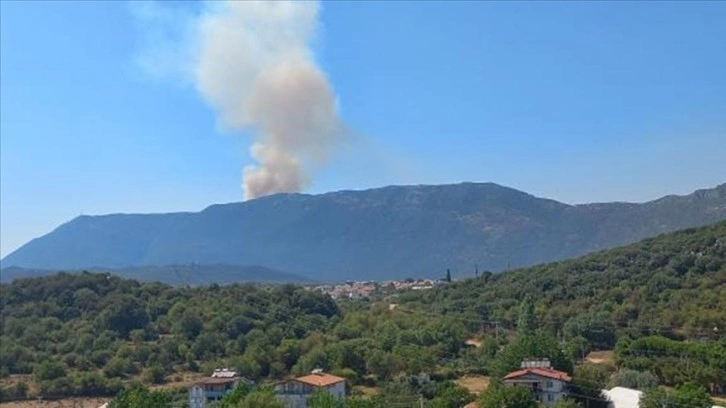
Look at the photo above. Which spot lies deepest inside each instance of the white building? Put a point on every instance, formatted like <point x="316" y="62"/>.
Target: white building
<point x="295" y="393"/>
<point x="547" y="384"/>
<point x="621" y="397"/>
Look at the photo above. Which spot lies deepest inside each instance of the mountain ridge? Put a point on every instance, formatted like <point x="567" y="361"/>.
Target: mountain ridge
<point x="386" y="232"/>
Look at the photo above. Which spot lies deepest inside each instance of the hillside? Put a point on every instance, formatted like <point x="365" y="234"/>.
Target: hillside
<point x="390" y="232"/>
<point x="176" y="274"/>
<point x="673" y="284"/>
<point x="93" y="334"/>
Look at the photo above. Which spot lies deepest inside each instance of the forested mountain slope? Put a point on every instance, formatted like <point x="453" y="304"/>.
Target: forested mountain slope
<point x="391" y="232"/>
<point x="674" y="284"/>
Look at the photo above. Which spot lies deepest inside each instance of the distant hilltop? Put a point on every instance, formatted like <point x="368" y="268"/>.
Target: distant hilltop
<point x="377" y="234"/>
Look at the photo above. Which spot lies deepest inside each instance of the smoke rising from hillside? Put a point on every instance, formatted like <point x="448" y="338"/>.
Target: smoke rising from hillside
<point x="253" y="63"/>
<point x="256" y="68"/>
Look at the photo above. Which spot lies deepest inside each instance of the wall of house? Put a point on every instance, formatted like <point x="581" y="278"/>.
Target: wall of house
<point x="549" y="391"/>
<point x="294" y="400"/>
<point x="197" y="399"/>
<point x="337" y="390"/>
<point x="296" y="395"/>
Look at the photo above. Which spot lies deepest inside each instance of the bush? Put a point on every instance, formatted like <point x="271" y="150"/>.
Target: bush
<point x="639" y="380"/>
<point x="119" y="367"/>
<point x="49" y="370"/>
<point x="141" y="398"/>
<point x="91" y="384"/>
<point x="154" y="374"/>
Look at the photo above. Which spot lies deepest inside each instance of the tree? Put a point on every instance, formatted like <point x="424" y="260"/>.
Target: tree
<point x="692" y="395"/>
<point x="448" y="275"/>
<point x="122" y="314"/>
<point x="190" y="324"/>
<point x="154" y="374"/>
<point x="91" y="384"/>
<point x="537" y="346"/>
<point x="639" y="380"/>
<point x="526" y="324"/>
<point x="687" y="395"/>
<point x="235" y="397"/>
<point x="382" y="364"/>
<point x="323" y="399"/>
<point x="568" y="403"/>
<point x="49" y="370"/>
<point x="141" y="398"/>
<point x="119" y="367"/>
<point x="263" y="398"/>
<point x="358" y="402"/>
<point x="501" y="396"/>
<point x="448" y="395"/>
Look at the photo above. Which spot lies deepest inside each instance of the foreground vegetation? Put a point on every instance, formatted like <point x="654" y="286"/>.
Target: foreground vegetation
<point x="659" y="304"/>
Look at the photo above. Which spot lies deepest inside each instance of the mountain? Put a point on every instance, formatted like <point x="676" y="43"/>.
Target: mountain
<point x="382" y="233"/>
<point x="176" y="274"/>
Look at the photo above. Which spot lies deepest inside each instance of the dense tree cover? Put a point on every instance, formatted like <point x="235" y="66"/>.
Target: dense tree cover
<point x="688" y="395"/>
<point x="674" y="284"/>
<point x="662" y="301"/>
<point x="95" y="334"/>
<point x="675" y="362"/>
<point x="639" y="380"/>
<point x="89" y="334"/>
<point x="508" y="397"/>
<point x="141" y="398"/>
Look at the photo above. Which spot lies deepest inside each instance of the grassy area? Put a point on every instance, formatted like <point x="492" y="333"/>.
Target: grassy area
<point x="476" y="384"/>
<point x="600" y="357"/>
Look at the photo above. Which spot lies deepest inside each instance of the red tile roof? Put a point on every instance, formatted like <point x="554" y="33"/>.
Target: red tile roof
<point x="542" y="372"/>
<point x="320" y="380"/>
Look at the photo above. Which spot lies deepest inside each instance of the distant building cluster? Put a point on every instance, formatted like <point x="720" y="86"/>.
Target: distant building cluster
<point x="368" y="289"/>
<point x="349" y="290"/>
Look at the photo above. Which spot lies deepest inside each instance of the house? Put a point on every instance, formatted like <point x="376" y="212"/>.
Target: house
<point x="296" y="392"/>
<point x="548" y="385"/>
<point x="214" y="387"/>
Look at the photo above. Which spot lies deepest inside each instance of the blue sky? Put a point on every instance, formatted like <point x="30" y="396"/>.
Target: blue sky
<point x="576" y="101"/>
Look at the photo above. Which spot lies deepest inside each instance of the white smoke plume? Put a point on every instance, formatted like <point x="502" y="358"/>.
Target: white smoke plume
<point x="256" y="68"/>
<point x="253" y="63"/>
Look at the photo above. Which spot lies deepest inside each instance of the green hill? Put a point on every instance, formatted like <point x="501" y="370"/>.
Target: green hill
<point x="673" y="284"/>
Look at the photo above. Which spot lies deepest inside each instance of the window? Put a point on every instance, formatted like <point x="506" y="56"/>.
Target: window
<point x="550" y="398"/>
<point x="549" y="384"/>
